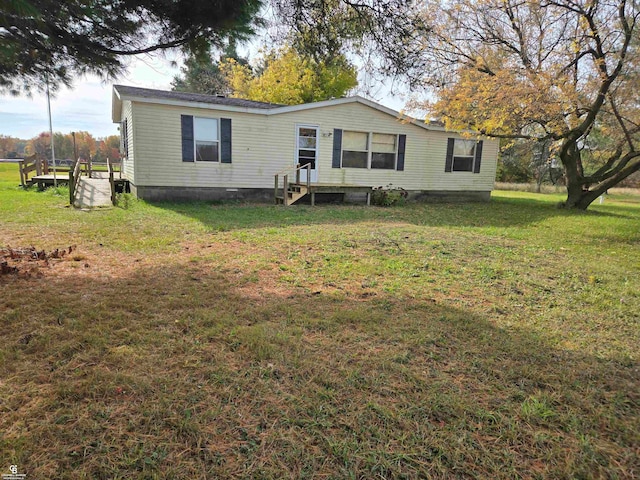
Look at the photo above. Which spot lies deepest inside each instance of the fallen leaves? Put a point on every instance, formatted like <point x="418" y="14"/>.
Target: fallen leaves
<point x="28" y="260"/>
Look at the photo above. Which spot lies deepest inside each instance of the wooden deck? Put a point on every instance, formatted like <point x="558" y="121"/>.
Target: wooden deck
<point x="47" y="180"/>
<point x="338" y="188"/>
<point x="297" y="191"/>
<point x="63" y="179"/>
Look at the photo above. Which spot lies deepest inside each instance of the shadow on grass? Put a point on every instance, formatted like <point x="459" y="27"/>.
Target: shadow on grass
<point x="500" y="212"/>
<point x="184" y="371"/>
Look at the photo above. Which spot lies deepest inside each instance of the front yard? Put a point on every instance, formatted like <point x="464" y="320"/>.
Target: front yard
<point x="252" y="341"/>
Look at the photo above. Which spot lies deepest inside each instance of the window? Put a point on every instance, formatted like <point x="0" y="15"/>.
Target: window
<point x="383" y="151"/>
<point x="463" y="155"/>
<point x="464" y="152"/>
<point x="355" y="149"/>
<point x="207" y="141"/>
<point x="369" y="150"/>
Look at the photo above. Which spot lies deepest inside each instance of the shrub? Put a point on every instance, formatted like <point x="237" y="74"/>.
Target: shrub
<point x="389" y="196"/>
<point x="124" y="200"/>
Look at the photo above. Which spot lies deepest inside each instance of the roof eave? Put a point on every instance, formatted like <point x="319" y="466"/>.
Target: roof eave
<point x="183" y="103"/>
<point x="119" y="97"/>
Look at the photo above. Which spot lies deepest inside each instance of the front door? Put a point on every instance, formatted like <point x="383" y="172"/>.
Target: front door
<point x="307" y="150"/>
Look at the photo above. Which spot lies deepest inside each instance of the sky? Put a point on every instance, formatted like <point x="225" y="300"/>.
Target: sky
<point x="87" y="105"/>
<point x="84" y="107"/>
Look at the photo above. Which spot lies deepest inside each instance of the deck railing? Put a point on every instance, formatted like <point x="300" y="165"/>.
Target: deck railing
<point x="34" y="163"/>
<point x="74" y="179"/>
<point x="285" y="184"/>
<point x="112" y="182"/>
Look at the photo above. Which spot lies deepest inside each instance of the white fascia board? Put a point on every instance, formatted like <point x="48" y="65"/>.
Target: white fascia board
<point x="116" y="106"/>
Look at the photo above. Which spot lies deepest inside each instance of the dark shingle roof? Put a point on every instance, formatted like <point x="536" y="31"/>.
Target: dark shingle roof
<point x="192" y="97"/>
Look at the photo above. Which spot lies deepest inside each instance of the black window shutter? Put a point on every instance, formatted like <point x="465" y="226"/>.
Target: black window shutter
<point x="402" y="141"/>
<point x="337" y="148"/>
<point x="188" y="155"/>
<point x="126" y="138"/>
<point x="225" y="140"/>
<point x="448" y="164"/>
<point x="123" y="139"/>
<point x="478" y="160"/>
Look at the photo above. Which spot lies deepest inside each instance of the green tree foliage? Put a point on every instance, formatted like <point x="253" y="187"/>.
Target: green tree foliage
<point x="385" y="34"/>
<point x="526" y="160"/>
<point x="286" y="77"/>
<point x="63" y="145"/>
<point x="562" y="71"/>
<point x="202" y="74"/>
<point x="62" y="39"/>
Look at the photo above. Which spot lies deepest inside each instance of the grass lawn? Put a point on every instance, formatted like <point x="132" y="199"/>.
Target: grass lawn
<point x="201" y="341"/>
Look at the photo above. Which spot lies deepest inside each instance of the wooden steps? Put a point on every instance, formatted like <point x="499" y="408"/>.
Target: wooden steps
<point x="291" y="192"/>
<point x="294" y="192"/>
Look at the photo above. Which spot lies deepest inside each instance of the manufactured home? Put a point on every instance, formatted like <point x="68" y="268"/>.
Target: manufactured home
<point x="183" y="146"/>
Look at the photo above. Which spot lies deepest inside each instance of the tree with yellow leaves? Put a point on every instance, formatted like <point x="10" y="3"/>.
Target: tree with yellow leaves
<point x="559" y="71"/>
<point x="286" y="77"/>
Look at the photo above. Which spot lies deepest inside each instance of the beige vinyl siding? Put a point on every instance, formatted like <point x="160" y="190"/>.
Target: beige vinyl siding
<point x="438" y="179"/>
<point x="255" y="155"/>
<point x="128" y="165"/>
<point x="265" y="144"/>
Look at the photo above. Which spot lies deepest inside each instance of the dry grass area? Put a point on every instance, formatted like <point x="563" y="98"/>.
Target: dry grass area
<point x="531" y="187"/>
<point x="240" y="341"/>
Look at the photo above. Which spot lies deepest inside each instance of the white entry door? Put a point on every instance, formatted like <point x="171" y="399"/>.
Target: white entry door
<point x="307" y="150"/>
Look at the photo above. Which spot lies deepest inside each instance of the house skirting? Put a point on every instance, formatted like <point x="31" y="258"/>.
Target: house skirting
<point x="205" y="194"/>
<point x="450" y="196"/>
<point x="443" y="196"/>
<point x="189" y="194"/>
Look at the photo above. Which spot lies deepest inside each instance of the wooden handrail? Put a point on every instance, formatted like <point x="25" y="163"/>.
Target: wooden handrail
<point x="74" y="179"/>
<point x="290" y="169"/>
<point x="285" y="173"/>
<point x="112" y="183"/>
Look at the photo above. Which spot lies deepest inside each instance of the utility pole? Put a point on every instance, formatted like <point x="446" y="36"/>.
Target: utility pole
<point x="53" y="151"/>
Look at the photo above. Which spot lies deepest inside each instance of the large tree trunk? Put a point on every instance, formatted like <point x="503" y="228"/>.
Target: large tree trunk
<point x="581" y="199"/>
<point x="578" y="195"/>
